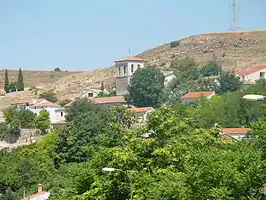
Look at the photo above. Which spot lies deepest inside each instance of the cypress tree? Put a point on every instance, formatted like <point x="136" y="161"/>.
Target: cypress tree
<point x="102" y="86"/>
<point x="6" y="87"/>
<point x="20" y="85"/>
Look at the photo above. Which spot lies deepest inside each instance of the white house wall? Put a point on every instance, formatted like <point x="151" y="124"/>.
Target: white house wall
<point x="254" y="76"/>
<point x="51" y="110"/>
<point x="58" y="116"/>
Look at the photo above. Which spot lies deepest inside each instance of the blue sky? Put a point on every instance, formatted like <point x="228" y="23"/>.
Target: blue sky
<point x="90" y="34"/>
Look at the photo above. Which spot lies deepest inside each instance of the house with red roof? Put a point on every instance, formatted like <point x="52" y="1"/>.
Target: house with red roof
<point x="142" y="112"/>
<point x="235" y="133"/>
<point x="57" y="113"/>
<point x="251" y="75"/>
<point x="125" y="68"/>
<point x="194" y="96"/>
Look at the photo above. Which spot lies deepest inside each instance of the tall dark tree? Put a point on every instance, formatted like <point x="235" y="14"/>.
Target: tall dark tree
<point x="228" y="82"/>
<point x="102" y="86"/>
<point x="6" y="82"/>
<point x="20" y="84"/>
<point x="146" y="87"/>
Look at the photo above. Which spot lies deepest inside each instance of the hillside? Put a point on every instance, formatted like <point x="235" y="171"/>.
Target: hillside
<point x="234" y="51"/>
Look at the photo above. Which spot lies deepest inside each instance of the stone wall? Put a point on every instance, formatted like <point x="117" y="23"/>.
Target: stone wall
<point x="121" y="85"/>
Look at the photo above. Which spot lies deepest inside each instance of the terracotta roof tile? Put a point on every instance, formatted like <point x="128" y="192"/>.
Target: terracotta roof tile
<point x="69" y="96"/>
<point x="233" y="131"/>
<point x="130" y="58"/>
<point x="36" y="195"/>
<point x="46" y="104"/>
<point x="140" y="110"/>
<point x="251" y="70"/>
<point x="104" y="100"/>
<point x="194" y="95"/>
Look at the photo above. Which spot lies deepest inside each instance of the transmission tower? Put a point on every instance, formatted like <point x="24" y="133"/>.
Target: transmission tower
<point x="235" y="13"/>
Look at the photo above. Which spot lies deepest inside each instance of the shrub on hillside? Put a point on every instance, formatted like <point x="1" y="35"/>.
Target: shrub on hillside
<point x="175" y="44"/>
<point x="49" y="96"/>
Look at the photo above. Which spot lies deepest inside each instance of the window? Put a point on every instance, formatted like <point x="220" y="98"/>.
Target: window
<point x="138" y="65"/>
<point x="62" y="114"/>
<point x="119" y="70"/>
<point x="132" y="68"/>
<point x="90" y="94"/>
<point x="262" y="75"/>
<point x="125" y="70"/>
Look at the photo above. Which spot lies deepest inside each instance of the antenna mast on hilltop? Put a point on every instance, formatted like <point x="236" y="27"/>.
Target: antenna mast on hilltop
<point x="233" y="6"/>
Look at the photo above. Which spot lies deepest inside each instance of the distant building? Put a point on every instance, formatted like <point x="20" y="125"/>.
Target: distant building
<point x="169" y="76"/>
<point x="56" y="112"/>
<point x="2" y="92"/>
<point x="109" y="101"/>
<point x="125" y="68"/>
<point x="105" y="101"/>
<point x="40" y="195"/>
<point x="91" y="93"/>
<point x="235" y="133"/>
<point x="194" y="96"/>
<point x="253" y="74"/>
<point x="141" y="112"/>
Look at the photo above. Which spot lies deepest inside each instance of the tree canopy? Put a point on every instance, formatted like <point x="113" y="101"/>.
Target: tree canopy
<point x="146" y="86"/>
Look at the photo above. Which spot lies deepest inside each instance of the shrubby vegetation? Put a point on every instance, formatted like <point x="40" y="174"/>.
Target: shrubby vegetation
<point x="16" y="85"/>
<point x="179" y="159"/>
<point x="179" y="154"/>
<point x="49" y="96"/>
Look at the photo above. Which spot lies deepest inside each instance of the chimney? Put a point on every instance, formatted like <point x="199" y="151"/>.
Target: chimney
<point x="39" y="188"/>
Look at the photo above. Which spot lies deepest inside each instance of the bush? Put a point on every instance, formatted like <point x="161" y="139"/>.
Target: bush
<point x="211" y="69"/>
<point x="175" y="44"/>
<point x="57" y="69"/>
<point x="49" y="96"/>
<point x="64" y="102"/>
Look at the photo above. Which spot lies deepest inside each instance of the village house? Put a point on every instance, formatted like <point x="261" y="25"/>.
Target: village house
<point x="142" y="113"/>
<point x="40" y="195"/>
<point x="56" y="112"/>
<point x="91" y="93"/>
<point x="169" y="76"/>
<point x="235" y="133"/>
<point x="105" y="102"/>
<point x="253" y="74"/>
<point x="194" y="96"/>
<point x="2" y="92"/>
<point x="125" y="68"/>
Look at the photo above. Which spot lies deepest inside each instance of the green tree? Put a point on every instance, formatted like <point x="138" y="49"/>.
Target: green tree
<point x="146" y="86"/>
<point x="102" y="86"/>
<point x="183" y="64"/>
<point x="49" y="96"/>
<point x="26" y="118"/>
<point x="228" y="82"/>
<point x="64" y="102"/>
<point x="13" y="87"/>
<point x="20" y="83"/>
<point x="212" y="68"/>
<point x="6" y="87"/>
<point x="57" y="69"/>
<point x="42" y="121"/>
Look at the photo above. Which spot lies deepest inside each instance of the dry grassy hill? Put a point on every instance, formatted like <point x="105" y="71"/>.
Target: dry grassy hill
<point x="234" y="51"/>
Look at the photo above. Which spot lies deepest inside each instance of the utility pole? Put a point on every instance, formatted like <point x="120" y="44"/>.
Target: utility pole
<point x="129" y="51"/>
<point x="233" y="6"/>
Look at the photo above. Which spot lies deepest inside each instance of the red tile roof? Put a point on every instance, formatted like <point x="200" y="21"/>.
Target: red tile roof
<point x="69" y="96"/>
<point x="194" y="95"/>
<point x="140" y="110"/>
<point x="234" y="131"/>
<point x="130" y="58"/>
<point x="46" y="104"/>
<point x="249" y="83"/>
<point x="251" y="70"/>
<point x="104" y="100"/>
<point x="2" y="92"/>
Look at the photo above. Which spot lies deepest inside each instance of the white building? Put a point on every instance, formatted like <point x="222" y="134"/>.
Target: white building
<point x="169" y="76"/>
<point x="125" y="68"/>
<point x="252" y="74"/>
<point x="142" y="113"/>
<point x="91" y="93"/>
<point x="40" y="195"/>
<point x="56" y="112"/>
<point x="235" y="133"/>
<point x="194" y="96"/>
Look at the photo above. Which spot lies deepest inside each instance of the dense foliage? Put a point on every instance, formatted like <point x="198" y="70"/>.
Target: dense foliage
<point x="146" y="86"/>
<point x="20" y="83"/>
<point x="49" y="96"/>
<point x="6" y="86"/>
<point x="42" y="121"/>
